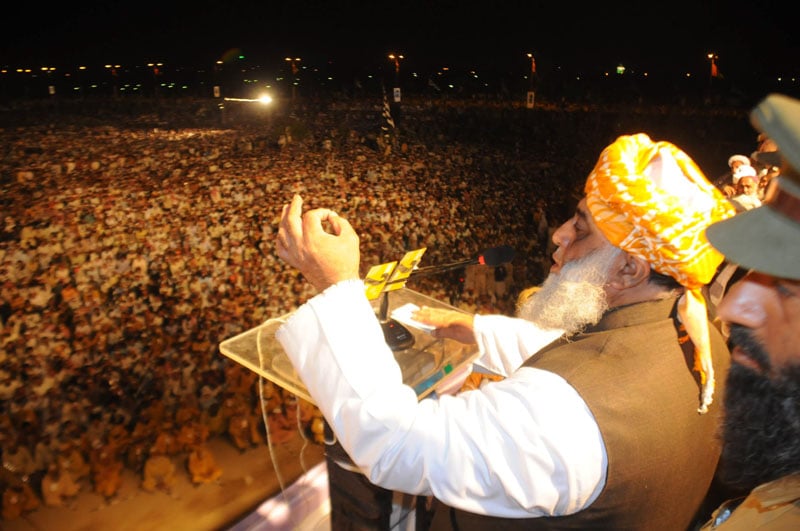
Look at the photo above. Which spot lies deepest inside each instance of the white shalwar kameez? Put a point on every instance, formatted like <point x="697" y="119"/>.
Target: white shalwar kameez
<point x="525" y="446"/>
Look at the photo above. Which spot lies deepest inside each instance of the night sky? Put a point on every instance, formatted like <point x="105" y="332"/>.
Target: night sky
<point x="750" y="38"/>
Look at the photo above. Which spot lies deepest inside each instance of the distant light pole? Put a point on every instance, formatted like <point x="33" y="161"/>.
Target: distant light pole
<point x="114" y="69"/>
<point x="48" y="70"/>
<point x="714" y="72"/>
<point x="532" y="83"/>
<point x="82" y="80"/>
<point x="293" y="62"/>
<point x="396" y="92"/>
<point x="217" y="80"/>
<point x="156" y="67"/>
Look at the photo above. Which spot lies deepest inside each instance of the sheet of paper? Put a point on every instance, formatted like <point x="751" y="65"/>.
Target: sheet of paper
<point x="403" y="314"/>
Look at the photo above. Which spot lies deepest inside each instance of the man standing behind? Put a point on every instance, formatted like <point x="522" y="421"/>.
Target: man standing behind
<point x="747" y="195"/>
<point x="611" y="428"/>
<point x="726" y="181"/>
<point x="761" y="432"/>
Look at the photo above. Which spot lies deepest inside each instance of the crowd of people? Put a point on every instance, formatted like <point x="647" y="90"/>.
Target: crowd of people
<point x="749" y="176"/>
<point x="132" y="244"/>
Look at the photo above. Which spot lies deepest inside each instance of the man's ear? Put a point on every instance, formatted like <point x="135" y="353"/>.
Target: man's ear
<point x="628" y="272"/>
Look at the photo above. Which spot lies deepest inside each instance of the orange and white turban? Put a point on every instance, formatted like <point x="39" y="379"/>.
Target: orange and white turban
<point x="651" y="200"/>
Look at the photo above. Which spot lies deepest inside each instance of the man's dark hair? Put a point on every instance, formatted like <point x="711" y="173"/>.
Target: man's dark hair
<point x="665" y="281"/>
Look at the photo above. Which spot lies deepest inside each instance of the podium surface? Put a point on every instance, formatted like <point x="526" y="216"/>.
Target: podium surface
<point x="423" y="364"/>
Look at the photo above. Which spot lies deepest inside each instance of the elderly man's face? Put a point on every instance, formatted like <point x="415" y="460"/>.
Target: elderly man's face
<point x="573" y="295"/>
<point x="576" y="238"/>
<point x="749" y="185"/>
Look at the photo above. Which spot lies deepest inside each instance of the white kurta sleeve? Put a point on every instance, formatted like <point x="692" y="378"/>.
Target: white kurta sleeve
<point x="505" y="343"/>
<point x="526" y="446"/>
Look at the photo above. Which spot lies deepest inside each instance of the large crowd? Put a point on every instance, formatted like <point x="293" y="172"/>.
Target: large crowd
<point x="135" y="238"/>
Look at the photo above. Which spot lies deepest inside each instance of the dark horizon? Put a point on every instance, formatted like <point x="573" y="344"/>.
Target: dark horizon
<point x="749" y="39"/>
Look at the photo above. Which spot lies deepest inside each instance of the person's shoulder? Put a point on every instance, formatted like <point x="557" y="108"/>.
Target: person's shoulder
<point x="773" y="505"/>
<point x="784" y="488"/>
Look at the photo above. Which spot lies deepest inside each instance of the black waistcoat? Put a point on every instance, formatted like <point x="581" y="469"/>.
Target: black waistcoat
<point x="634" y="370"/>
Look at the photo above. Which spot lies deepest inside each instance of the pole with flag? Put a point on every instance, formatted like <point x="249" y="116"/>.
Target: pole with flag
<point x="714" y="69"/>
<point x="387" y="126"/>
<point x="532" y="88"/>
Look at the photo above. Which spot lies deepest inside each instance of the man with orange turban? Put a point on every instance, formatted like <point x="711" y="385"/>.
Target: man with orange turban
<point x="605" y="416"/>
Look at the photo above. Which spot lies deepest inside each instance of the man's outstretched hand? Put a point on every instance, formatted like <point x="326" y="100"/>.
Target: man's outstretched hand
<point x="447" y="323"/>
<point x="319" y="243"/>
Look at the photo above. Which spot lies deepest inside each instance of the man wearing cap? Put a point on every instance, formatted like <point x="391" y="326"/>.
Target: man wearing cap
<point x="727" y="181"/>
<point x="746" y="182"/>
<point x="609" y="426"/>
<point x="761" y="431"/>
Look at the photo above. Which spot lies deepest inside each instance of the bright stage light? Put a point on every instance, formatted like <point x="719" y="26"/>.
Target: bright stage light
<point x="264" y="99"/>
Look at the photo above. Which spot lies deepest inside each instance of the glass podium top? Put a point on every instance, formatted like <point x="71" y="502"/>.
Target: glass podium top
<point x="424" y="362"/>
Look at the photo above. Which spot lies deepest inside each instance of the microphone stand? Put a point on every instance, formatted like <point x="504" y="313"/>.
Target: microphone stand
<point x="397" y="336"/>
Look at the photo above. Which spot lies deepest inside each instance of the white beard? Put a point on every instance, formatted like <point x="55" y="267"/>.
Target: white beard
<point x="575" y="297"/>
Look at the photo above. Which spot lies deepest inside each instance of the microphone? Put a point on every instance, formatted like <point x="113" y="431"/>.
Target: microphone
<point x="399" y="337"/>
<point x="492" y="257"/>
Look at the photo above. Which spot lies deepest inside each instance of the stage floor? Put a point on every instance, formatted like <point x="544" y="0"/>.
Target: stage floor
<point x="249" y="478"/>
<point x="306" y="506"/>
